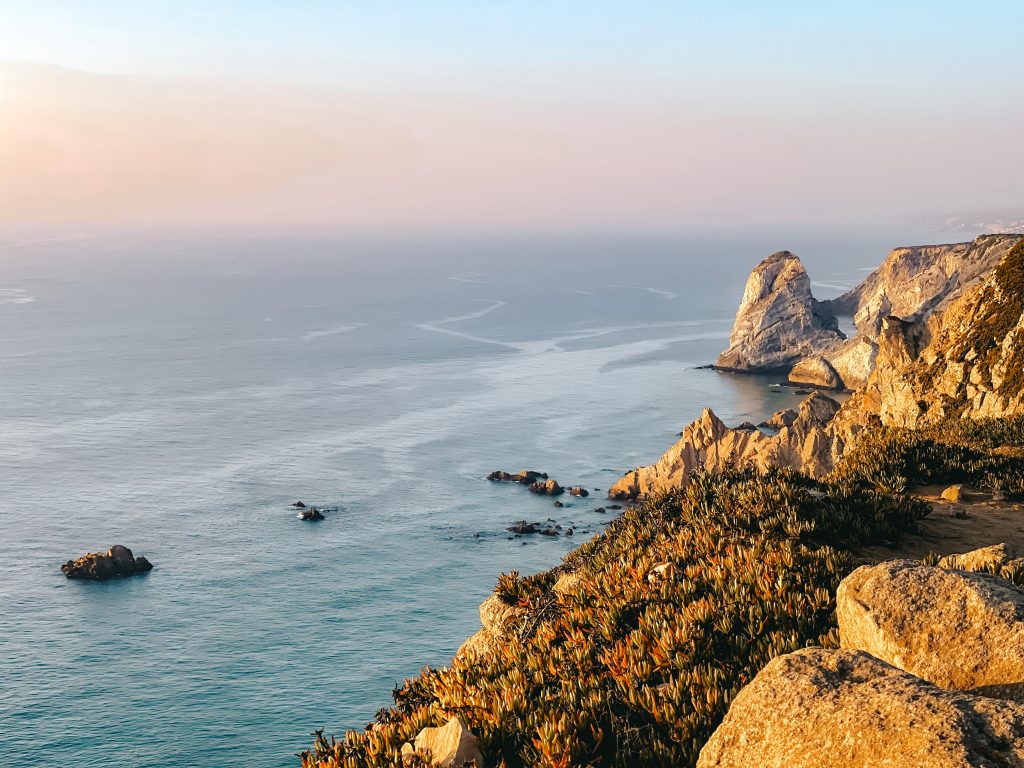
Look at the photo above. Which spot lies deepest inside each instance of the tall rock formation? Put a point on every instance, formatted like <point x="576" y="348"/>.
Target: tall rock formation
<point x="781" y="326"/>
<point x="778" y="321"/>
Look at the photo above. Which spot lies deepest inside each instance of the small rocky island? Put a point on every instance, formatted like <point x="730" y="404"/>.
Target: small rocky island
<point x="117" y="562"/>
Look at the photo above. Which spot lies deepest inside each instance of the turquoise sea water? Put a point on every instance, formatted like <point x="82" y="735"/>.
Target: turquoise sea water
<point x="176" y="395"/>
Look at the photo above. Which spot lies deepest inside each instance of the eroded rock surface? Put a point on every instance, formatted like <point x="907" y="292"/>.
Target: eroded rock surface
<point x="498" y="620"/>
<point x="956" y="629"/>
<point x="819" y="708"/>
<point x="778" y="321"/>
<point x="816" y="371"/>
<point x="116" y="562"/>
<point x="452" y="745"/>
<point x="708" y="444"/>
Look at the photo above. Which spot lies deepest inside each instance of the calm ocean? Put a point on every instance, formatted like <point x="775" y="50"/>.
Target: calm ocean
<point x="176" y="395"/>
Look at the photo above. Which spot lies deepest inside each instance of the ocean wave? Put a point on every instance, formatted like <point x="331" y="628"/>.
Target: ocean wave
<point x="344" y="328"/>
<point x="667" y="295"/>
<point x="15" y="296"/>
<point x="469" y="277"/>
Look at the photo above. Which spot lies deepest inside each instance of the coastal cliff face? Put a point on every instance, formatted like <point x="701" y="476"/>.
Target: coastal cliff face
<point x="708" y="444"/>
<point x="778" y="321"/>
<point x="781" y="326"/>
<point x="962" y="357"/>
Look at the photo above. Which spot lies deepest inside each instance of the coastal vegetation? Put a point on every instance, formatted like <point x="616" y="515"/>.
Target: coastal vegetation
<point x="668" y="614"/>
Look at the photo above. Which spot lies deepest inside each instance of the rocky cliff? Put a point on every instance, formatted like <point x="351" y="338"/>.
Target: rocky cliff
<point x="959" y="353"/>
<point x="778" y="321"/>
<point x="780" y="325"/>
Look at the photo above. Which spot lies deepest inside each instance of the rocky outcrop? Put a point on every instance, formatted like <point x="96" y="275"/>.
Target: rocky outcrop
<point x="990" y="559"/>
<point x="914" y="282"/>
<point x="116" y="562"/>
<point x="816" y="371"/>
<point x="524" y="476"/>
<point x="708" y="444"/>
<point x="819" y="708"/>
<point x="547" y="488"/>
<point x="498" y="622"/>
<point x="310" y="514"/>
<point x="780" y="326"/>
<point x="779" y="419"/>
<point x="955" y="629"/>
<point x="452" y="745"/>
<point x="778" y="321"/>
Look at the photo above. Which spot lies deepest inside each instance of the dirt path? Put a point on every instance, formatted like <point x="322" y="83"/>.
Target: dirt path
<point x="944" y="532"/>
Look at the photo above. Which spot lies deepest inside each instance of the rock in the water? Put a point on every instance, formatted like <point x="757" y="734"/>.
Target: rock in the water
<point x="559" y="505"/>
<point x="116" y="562"/>
<point x="452" y="745"/>
<point x="578" y="490"/>
<point x="819" y="708"/>
<point x="547" y="488"/>
<point x="955" y="494"/>
<point x="522" y="527"/>
<point x="958" y="630"/>
<point x="747" y="426"/>
<point x="778" y="320"/>
<point x="816" y="370"/>
<point x="524" y="476"/>
<point x="311" y="514"/>
<point x="549" y="532"/>
<point x="298" y="505"/>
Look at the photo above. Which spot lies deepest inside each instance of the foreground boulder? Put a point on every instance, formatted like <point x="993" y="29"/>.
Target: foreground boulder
<point x="452" y="745"/>
<point x="116" y="562"/>
<point x="819" y="708"/>
<point x="958" y="630"/>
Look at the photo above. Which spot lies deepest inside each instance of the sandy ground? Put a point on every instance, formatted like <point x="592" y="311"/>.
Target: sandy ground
<point x="981" y="522"/>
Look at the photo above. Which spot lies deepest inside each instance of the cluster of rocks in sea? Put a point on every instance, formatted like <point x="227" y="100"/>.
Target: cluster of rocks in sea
<point x="309" y="514"/>
<point x="117" y="562"/>
<point x="929" y="673"/>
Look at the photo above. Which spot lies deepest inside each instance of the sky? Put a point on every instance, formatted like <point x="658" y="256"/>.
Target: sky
<point x="502" y="115"/>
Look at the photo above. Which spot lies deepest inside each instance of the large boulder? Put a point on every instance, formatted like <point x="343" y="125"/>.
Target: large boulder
<point x="547" y="488"/>
<point x="452" y="745"/>
<point x="819" y="708"/>
<point x="956" y="629"/>
<point x="816" y="371"/>
<point x="778" y="320"/>
<point x="116" y="562"/>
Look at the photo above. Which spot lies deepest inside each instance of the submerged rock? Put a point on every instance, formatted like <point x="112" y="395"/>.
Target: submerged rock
<point x="116" y="562"/>
<point x="298" y="505"/>
<point x="956" y="629"/>
<point x="311" y="514"/>
<point x="523" y="527"/>
<point x="523" y="476"/>
<point x="819" y="708"/>
<point x="578" y="490"/>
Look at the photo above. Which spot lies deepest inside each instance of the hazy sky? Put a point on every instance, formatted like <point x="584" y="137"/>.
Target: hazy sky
<point x="485" y="114"/>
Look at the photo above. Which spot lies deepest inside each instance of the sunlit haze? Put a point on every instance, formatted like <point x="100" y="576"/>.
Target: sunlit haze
<point x="527" y="115"/>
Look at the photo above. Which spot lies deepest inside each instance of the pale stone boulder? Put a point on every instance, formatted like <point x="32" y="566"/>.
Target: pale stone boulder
<point x="955" y="493"/>
<point x="816" y="371"/>
<point x="982" y="559"/>
<point x="959" y="630"/>
<point x="819" y="708"/>
<point x="450" y="746"/>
